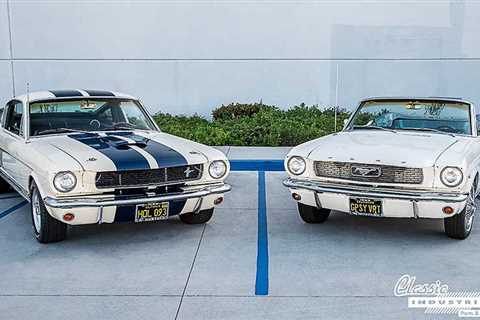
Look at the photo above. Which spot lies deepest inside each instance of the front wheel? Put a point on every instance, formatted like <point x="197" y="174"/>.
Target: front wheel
<point x="197" y="218"/>
<point x="311" y="214"/>
<point x="45" y="228"/>
<point x="460" y="225"/>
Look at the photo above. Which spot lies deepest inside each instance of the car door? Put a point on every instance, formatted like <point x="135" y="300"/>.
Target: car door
<point x="13" y="145"/>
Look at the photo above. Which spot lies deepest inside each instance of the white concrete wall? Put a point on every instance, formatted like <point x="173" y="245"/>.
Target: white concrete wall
<point x="191" y="56"/>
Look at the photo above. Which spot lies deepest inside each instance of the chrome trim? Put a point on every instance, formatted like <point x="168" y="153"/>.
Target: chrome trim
<point x="374" y="192"/>
<point x="95" y="202"/>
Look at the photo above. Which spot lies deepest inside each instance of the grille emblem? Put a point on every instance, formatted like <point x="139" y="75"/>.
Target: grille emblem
<point x="188" y="171"/>
<point x="359" y="171"/>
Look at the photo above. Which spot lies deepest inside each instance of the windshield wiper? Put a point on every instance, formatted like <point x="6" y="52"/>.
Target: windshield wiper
<point x="59" y="130"/>
<point x="430" y="130"/>
<point x="374" y="128"/>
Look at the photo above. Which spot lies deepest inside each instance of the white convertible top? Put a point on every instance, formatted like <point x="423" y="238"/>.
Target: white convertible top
<point x="71" y="94"/>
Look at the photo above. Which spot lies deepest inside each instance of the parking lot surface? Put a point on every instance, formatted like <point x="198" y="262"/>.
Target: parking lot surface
<point x="343" y="269"/>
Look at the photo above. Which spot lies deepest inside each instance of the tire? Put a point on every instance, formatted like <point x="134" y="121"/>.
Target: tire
<point x="5" y="186"/>
<point x="45" y="228"/>
<point x="311" y="214"/>
<point x="197" y="218"/>
<point x="460" y="225"/>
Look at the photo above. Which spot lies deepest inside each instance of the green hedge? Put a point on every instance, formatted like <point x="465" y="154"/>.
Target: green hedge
<point x="254" y="125"/>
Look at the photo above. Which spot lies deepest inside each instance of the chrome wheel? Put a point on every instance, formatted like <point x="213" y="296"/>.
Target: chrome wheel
<point x="470" y="210"/>
<point x="36" y="212"/>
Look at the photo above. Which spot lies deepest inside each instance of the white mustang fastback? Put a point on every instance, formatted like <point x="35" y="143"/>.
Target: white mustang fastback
<point x="396" y="157"/>
<point x="90" y="156"/>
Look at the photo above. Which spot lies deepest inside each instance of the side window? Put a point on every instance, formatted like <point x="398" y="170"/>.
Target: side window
<point x="14" y="116"/>
<point x="134" y="115"/>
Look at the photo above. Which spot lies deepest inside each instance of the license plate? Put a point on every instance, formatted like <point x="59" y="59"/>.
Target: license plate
<point x="366" y="207"/>
<point x="151" y="212"/>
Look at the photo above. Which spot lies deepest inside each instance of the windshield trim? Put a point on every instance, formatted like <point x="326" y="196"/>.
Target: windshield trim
<point x="349" y="126"/>
<point x="151" y="123"/>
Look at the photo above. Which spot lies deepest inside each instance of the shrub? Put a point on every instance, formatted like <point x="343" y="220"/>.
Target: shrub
<point x="239" y="110"/>
<point x="254" y="125"/>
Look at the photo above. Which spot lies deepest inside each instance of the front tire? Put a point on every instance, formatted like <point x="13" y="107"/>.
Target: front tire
<point x="45" y="228"/>
<point x="311" y="214"/>
<point x="460" y="225"/>
<point x="197" y="218"/>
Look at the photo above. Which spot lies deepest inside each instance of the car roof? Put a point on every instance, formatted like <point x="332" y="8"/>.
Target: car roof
<point x="71" y="94"/>
<point x="449" y="99"/>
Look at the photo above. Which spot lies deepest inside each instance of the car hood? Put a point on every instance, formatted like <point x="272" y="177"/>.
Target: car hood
<point x="127" y="150"/>
<point x="412" y="149"/>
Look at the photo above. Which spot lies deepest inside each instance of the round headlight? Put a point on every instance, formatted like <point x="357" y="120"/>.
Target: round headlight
<point x="65" y="181"/>
<point x="451" y="176"/>
<point x="296" y="165"/>
<point x="217" y="169"/>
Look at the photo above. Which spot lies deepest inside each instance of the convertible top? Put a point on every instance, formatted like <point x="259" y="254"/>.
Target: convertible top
<point x="71" y="94"/>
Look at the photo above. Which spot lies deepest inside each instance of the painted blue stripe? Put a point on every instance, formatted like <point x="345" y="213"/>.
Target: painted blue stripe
<point x="124" y="157"/>
<point x="165" y="156"/>
<point x="261" y="281"/>
<point x="11" y="197"/>
<point x="12" y="209"/>
<point x="257" y="165"/>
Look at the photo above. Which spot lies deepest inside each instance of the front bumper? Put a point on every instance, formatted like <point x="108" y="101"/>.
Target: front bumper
<point x="397" y="203"/>
<point x="103" y="208"/>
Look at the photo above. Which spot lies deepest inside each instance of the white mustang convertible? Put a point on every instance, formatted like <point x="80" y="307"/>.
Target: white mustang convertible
<point x="396" y="157"/>
<point x="90" y="156"/>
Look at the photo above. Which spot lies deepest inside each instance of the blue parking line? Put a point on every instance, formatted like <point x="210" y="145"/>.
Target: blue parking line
<point x="12" y="209"/>
<point x="261" y="279"/>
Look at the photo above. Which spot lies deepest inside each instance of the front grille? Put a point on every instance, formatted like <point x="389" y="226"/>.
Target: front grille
<point x="133" y="178"/>
<point x="376" y="173"/>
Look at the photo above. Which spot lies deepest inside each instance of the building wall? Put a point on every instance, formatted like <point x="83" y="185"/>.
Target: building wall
<point x="191" y="56"/>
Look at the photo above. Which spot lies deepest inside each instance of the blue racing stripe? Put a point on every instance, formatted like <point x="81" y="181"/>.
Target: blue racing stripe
<point x="165" y="156"/>
<point x="124" y="157"/>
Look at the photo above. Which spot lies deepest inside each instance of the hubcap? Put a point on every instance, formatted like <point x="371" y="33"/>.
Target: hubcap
<point x="470" y="210"/>
<point x="37" y="219"/>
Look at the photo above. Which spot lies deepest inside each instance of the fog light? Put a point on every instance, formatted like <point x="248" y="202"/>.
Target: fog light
<point x="296" y="196"/>
<point x="447" y="210"/>
<point x="218" y="201"/>
<point x="68" y="216"/>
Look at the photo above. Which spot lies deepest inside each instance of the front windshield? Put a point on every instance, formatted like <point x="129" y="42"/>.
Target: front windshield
<point x="86" y="115"/>
<point x="448" y="117"/>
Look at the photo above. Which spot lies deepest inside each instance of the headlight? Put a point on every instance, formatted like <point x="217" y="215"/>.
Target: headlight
<point x="296" y="165"/>
<point x="64" y="181"/>
<point x="451" y="176"/>
<point x="217" y="169"/>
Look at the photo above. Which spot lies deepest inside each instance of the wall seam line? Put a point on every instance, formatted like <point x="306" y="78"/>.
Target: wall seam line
<point x="11" y="46"/>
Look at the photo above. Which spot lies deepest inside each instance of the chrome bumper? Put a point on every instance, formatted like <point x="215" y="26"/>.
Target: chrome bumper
<point x="374" y="192"/>
<point x="98" y="202"/>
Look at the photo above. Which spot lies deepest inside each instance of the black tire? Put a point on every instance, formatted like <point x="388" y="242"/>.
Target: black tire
<point x="5" y="186"/>
<point x="460" y="225"/>
<point x="197" y="218"/>
<point x="50" y="229"/>
<point x="311" y="214"/>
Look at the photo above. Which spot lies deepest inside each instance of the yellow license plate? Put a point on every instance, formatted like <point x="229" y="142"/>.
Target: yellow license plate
<point x="366" y="207"/>
<point x="151" y="212"/>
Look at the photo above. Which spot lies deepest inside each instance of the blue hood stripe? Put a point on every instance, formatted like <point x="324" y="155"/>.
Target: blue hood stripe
<point x="124" y="159"/>
<point x="164" y="155"/>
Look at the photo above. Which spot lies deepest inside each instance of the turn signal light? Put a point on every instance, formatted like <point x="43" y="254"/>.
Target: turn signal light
<point x="218" y="200"/>
<point x="447" y="210"/>
<point x="68" y="216"/>
<point x="296" y="196"/>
